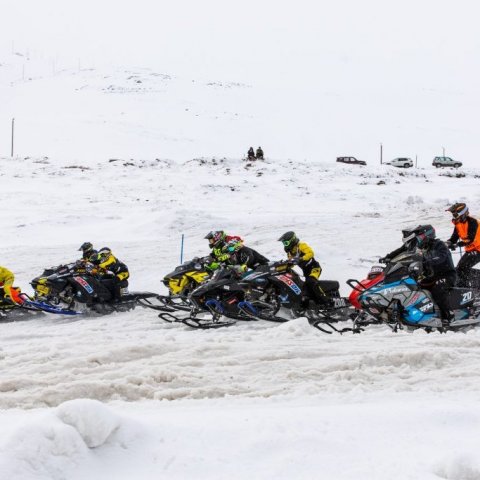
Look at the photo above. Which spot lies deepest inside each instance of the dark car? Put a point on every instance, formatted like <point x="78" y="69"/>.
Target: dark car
<point x="351" y="160"/>
<point x="445" y="162"/>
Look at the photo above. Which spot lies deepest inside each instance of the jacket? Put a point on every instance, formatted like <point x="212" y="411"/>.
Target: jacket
<point x="6" y="280"/>
<point x="468" y="232"/>
<point x="437" y="262"/>
<point x="306" y="261"/>
<point x="115" y="266"/>
<point x="247" y="258"/>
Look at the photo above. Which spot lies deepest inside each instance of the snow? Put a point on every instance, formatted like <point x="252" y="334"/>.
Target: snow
<point x="134" y="152"/>
<point x="259" y="399"/>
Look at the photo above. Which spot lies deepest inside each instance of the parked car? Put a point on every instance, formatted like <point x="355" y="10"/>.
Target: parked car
<point x="401" y="162"/>
<point x="351" y="160"/>
<point x="446" y="162"/>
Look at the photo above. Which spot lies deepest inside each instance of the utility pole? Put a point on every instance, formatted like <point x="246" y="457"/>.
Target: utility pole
<point x="443" y="148"/>
<point x="381" y="153"/>
<point x="13" y="136"/>
<point x="416" y="161"/>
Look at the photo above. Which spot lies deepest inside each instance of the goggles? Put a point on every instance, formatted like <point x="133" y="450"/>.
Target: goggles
<point x="287" y="243"/>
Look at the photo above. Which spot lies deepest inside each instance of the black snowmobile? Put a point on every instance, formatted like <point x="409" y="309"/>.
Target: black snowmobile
<point x="224" y="295"/>
<point x="72" y="289"/>
<point x="283" y="287"/>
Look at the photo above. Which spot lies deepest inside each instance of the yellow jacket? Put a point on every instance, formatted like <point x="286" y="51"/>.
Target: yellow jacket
<point x="302" y="250"/>
<point x="6" y="280"/>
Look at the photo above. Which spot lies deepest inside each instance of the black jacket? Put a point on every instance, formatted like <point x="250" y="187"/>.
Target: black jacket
<point x="437" y="261"/>
<point x="249" y="257"/>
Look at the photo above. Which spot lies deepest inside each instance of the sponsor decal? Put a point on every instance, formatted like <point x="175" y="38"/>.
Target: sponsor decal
<point x="84" y="284"/>
<point x="288" y="281"/>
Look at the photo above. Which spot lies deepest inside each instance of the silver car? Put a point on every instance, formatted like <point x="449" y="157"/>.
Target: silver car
<point x="446" y="162"/>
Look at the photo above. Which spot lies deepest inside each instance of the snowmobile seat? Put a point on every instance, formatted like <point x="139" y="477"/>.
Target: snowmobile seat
<point x="329" y="286"/>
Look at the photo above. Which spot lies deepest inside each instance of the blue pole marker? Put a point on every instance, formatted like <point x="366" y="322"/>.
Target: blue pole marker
<point x="181" y="249"/>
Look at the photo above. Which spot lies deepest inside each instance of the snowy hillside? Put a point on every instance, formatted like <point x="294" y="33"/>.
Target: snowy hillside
<point x="263" y="400"/>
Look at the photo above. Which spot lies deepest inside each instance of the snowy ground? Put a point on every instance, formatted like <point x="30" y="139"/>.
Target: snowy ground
<point x="263" y="400"/>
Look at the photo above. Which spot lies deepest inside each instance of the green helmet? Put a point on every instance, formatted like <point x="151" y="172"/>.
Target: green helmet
<point x="289" y="240"/>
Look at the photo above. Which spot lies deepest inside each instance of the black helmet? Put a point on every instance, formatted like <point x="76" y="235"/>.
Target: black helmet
<point x="424" y="235"/>
<point x="289" y="240"/>
<point x="216" y="238"/>
<point x="459" y="212"/>
<point x="86" y="247"/>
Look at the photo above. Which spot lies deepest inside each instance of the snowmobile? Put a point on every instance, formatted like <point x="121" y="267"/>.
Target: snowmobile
<point x="19" y="311"/>
<point x="223" y="296"/>
<point x="181" y="282"/>
<point x="280" y="285"/>
<point x="258" y="295"/>
<point x="72" y="289"/>
<point x="395" y="297"/>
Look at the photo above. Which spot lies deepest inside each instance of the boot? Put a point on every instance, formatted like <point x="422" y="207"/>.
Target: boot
<point x="447" y="318"/>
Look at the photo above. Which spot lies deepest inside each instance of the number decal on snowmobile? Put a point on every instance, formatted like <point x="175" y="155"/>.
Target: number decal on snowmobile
<point x="288" y="281"/>
<point x="467" y="296"/>
<point x="84" y="284"/>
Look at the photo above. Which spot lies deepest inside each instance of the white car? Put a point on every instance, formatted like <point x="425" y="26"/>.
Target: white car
<point x="401" y="162"/>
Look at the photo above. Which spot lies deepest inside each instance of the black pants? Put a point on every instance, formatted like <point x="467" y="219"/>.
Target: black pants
<point x="115" y="286"/>
<point x="311" y="290"/>
<point x="468" y="260"/>
<point x="439" y="290"/>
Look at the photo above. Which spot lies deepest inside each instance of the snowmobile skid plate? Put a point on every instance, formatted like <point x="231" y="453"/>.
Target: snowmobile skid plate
<point x="46" y="307"/>
<point x="256" y="311"/>
<point x="196" y="322"/>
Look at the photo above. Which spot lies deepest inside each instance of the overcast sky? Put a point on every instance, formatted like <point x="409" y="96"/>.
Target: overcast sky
<point x="376" y="40"/>
<point x="420" y="57"/>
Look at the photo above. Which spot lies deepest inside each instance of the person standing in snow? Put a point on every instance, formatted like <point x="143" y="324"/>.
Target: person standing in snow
<point x="259" y="153"/>
<point x="250" y="154"/>
<point x="301" y="254"/>
<point x="465" y="234"/>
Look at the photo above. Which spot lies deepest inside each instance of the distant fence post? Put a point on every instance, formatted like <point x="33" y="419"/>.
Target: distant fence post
<point x="181" y="248"/>
<point x="381" y="153"/>
<point x="13" y="137"/>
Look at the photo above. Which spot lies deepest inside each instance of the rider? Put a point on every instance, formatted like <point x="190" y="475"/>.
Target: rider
<point x="112" y="272"/>
<point x="242" y="257"/>
<point x="87" y="251"/>
<point x="217" y="239"/>
<point x="439" y="272"/>
<point x="465" y="234"/>
<point x="302" y="254"/>
<point x="409" y="245"/>
<point x="7" y="292"/>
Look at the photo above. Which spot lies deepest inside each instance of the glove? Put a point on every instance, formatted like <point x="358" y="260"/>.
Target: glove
<point x="294" y="260"/>
<point x="384" y="260"/>
<point x="450" y="245"/>
<point x="461" y="244"/>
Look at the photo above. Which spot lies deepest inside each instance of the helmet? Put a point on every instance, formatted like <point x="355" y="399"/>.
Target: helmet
<point x="459" y="212"/>
<point x="424" y="235"/>
<point x="92" y="255"/>
<point x="86" y="247"/>
<point x="103" y="254"/>
<point x="232" y="246"/>
<point x="289" y="240"/>
<point x="215" y="238"/>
